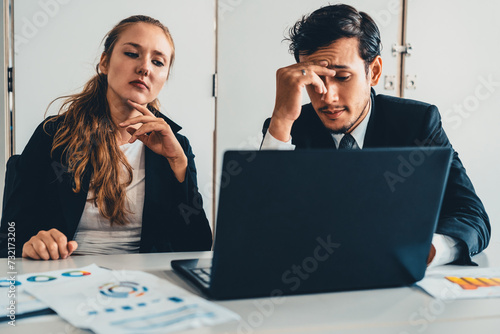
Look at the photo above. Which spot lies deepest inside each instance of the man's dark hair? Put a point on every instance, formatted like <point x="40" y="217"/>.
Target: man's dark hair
<point x="328" y="24"/>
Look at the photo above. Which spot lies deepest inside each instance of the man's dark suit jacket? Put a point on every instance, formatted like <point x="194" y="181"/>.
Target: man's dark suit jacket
<point x="396" y="122"/>
<point x="39" y="196"/>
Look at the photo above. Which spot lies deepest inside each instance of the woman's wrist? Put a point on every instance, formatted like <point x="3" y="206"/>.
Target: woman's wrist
<point x="179" y="166"/>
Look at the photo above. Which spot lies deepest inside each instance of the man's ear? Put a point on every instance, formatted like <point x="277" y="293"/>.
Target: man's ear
<point x="375" y="70"/>
<point x="103" y="63"/>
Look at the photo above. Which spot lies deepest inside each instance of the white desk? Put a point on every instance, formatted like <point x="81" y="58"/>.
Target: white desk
<point x="398" y="310"/>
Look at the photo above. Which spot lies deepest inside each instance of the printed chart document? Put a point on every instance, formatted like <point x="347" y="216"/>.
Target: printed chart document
<point x="446" y="284"/>
<point x="23" y="302"/>
<point x="110" y="301"/>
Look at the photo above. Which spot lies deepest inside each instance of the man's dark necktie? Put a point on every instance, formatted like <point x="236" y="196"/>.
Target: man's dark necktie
<point x="347" y="142"/>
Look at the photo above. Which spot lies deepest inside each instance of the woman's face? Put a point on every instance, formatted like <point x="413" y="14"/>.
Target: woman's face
<point x="138" y="66"/>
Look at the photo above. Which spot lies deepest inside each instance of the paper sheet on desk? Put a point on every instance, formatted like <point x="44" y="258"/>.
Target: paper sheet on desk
<point x="446" y="284"/>
<point x="108" y="301"/>
<point x="25" y="302"/>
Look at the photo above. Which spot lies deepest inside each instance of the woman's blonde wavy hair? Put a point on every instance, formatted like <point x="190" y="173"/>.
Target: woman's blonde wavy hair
<point x="87" y="134"/>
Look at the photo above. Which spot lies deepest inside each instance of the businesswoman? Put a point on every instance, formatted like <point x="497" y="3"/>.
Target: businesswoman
<point x="109" y="174"/>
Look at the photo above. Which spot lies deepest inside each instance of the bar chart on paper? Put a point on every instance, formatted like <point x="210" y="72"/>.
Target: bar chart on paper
<point x="471" y="283"/>
<point x="447" y="284"/>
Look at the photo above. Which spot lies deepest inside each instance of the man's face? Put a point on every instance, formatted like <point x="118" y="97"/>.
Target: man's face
<point x="347" y="101"/>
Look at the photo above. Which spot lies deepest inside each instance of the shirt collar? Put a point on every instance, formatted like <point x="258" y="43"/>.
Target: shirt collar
<point x="358" y="133"/>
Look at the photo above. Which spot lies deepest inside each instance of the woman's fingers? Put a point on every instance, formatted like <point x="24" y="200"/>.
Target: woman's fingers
<point x="29" y="251"/>
<point x="72" y="246"/>
<point x="138" y="119"/>
<point x="61" y="241"/>
<point x="40" y="248"/>
<point x="144" y="110"/>
<point x="161" y="127"/>
<point x="48" y="245"/>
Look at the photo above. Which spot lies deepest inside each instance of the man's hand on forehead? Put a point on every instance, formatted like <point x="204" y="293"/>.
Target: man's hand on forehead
<point x="289" y="83"/>
<point x="312" y="74"/>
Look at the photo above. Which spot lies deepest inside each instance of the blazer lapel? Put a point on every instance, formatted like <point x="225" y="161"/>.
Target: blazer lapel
<point x="374" y="137"/>
<point x="72" y="204"/>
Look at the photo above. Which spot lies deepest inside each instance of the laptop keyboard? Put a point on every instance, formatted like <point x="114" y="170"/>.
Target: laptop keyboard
<point x="203" y="274"/>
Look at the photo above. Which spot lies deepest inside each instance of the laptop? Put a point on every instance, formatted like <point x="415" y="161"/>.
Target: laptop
<point x="312" y="221"/>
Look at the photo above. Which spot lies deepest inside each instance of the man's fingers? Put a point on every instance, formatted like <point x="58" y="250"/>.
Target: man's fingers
<point x="308" y="75"/>
<point x="72" y="246"/>
<point x="322" y="71"/>
<point x="313" y="79"/>
<point x="319" y="68"/>
<point x="319" y="85"/>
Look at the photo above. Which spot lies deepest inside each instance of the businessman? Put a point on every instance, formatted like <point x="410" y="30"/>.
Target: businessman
<point x="337" y="50"/>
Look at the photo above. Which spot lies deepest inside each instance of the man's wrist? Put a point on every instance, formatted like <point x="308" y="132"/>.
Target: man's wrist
<point x="280" y="128"/>
<point x="432" y="254"/>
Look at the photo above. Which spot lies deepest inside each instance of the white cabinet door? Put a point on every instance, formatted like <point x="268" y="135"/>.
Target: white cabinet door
<point x="455" y="60"/>
<point x="58" y="44"/>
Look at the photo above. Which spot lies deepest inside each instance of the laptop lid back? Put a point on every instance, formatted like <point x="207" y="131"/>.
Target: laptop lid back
<point x="305" y="221"/>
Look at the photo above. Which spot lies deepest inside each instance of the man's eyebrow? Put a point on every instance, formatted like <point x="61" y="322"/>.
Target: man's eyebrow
<point x="138" y="46"/>
<point x="339" y="67"/>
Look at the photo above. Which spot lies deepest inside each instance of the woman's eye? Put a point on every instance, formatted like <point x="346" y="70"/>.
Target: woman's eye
<point x="131" y="54"/>
<point x="158" y="63"/>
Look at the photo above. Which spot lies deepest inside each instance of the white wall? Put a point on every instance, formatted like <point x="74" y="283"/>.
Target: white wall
<point x="458" y="70"/>
<point x="58" y="44"/>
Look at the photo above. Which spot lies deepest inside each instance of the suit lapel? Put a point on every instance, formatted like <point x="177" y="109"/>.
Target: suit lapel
<point x="374" y="137"/>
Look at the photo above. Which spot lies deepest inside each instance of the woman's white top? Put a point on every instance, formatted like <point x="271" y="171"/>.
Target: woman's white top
<point x="95" y="235"/>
